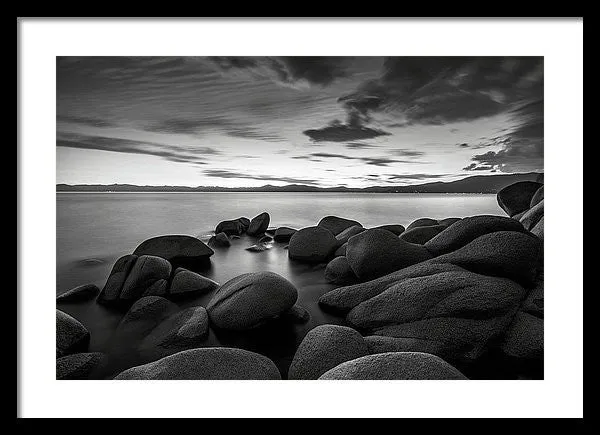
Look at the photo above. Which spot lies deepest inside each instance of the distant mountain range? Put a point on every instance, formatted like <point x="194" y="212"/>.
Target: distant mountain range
<point x="474" y="184"/>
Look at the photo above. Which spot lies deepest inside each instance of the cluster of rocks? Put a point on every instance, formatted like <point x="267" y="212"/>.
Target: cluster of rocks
<point x="417" y="301"/>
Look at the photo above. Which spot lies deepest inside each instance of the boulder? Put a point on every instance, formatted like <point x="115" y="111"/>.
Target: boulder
<point x="217" y="363"/>
<point x="395" y="366"/>
<point x="341" y="251"/>
<point x="296" y="314"/>
<point x="245" y="223"/>
<point x="374" y="253"/>
<point x="517" y="197"/>
<point x="345" y="235"/>
<point x="186" y="282"/>
<point x="524" y="338"/>
<point x="509" y="254"/>
<point x="312" y="245"/>
<point x="538" y="230"/>
<point x="230" y="228"/>
<point x="78" y="365"/>
<point x="449" y="221"/>
<point x="383" y="344"/>
<point x="219" y="239"/>
<point x="179" y="250"/>
<point x="143" y="316"/>
<point x="112" y="289"/>
<point x="148" y="277"/>
<point x="82" y="293"/>
<point x="265" y="239"/>
<point x="532" y="216"/>
<point x="537" y="196"/>
<point x="336" y="224"/>
<point x="250" y="300"/>
<point x="324" y="348"/>
<point x="283" y="234"/>
<point x="343" y="299"/>
<point x="422" y="222"/>
<point x="396" y="229"/>
<point x="338" y="271"/>
<point x="457" y="299"/>
<point x="259" y="224"/>
<point x="467" y="230"/>
<point x="71" y="335"/>
<point x="534" y="302"/>
<point x="422" y="235"/>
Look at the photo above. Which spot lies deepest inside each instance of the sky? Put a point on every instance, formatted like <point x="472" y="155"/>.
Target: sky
<point x="319" y="121"/>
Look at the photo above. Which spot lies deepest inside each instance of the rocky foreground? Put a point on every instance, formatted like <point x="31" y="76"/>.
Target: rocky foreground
<point x="435" y="300"/>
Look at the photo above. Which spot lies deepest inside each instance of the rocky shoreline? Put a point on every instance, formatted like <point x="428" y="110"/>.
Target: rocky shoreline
<point x="451" y="298"/>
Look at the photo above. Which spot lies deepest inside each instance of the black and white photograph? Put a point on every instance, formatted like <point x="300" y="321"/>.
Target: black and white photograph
<point x="297" y="218"/>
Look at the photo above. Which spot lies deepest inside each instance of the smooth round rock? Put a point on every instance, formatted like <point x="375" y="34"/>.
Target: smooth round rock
<point x="338" y="271"/>
<point x="175" y="248"/>
<point x="312" y="245"/>
<point x="71" y="335"/>
<point x="220" y="240"/>
<point x="283" y="234"/>
<point x="395" y="366"/>
<point x="421" y="235"/>
<point x="517" y="197"/>
<point x="81" y="293"/>
<point x="186" y="282"/>
<point x="537" y="197"/>
<point x="259" y="224"/>
<point x="422" y="222"/>
<point x="78" y="365"/>
<point x="524" y="339"/>
<point x="250" y="300"/>
<point x="148" y="277"/>
<point x="230" y="228"/>
<point x="538" y="230"/>
<point x="337" y="224"/>
<point x="396" y="229"/>
<point x="216" y="363"/>
<point x="345" y="235"/>
<point x="341" y="251"/>
<point x="533" y="216"/>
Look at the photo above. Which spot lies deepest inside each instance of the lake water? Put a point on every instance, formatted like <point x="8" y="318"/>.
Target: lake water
<point x="94" y="229"/>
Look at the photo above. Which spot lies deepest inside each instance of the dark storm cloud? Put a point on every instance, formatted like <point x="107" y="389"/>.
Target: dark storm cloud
<point x="343" y="132"/>
<point x="289" y="70"/>
<point x="522" y="147"/>
<point x="86" y="121"/>
<point x="221" y="173"/>
<point x="172" y="153"/>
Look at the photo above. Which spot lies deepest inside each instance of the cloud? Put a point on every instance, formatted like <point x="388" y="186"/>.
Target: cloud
<point x="463" y="145"/>
<point x="119" y="145"/>
<point x="415" y="176"/>
<point x="359" y="145"/>
<point x="407" y="153"/>
<point x="86" y="121"/>
<point x="303" y="70"/>
<point x="476" y="167"/>
<point x="341" y="132"/>
<point x="221" y="173"/>
<point x="374" y="161"/>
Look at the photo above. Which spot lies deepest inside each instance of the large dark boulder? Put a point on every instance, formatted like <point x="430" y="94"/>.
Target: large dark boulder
<point x="459" y="312"/>
<point x="336" y="224"/>
<point x="312" y="245"/>
<point x="422" y="222"/>
<point x="78" y="365"/>
<point x="341" y="251"/>
<point x="250" y="300"/>
<point x="422" y="235"/>
<point x="283" y="234"/>
<point x="395" y="366"/>
<point x="112" y="288"/>
<point x="517" y="197"/>
<point x="467" y="230"/>
<point x="394" y="228"/>
<point x="71" y="335"/>
<point x="532" y="216"/>
<point x="449" y="221"/>
<point x="186" y="282"/>
<point x="538" y="230"/>
<point x="374" y="253"/>
<point x="509" y="254"/>
<point x="179" y="250"/>
<point x="338" y="271"/>
<point x="324" y="348"/>
<point x="148" y="277"/>
<point x="259" y="224"/>
<point x="384" y="344"/>
<point x="345" y="235"/>
<point x="245" y="223"/>
<point x="534" y="302"/>
<point x="81" y="293"/>
<point x="524" y="338"/>
<point x="217" y="363"/>
<point x="219" y="240"/>
<point x="230" y="228"/>
<point x="537" y="197"/>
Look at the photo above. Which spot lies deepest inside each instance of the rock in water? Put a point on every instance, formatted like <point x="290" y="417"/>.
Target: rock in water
<point x="245" y="223"/>
<point x="338" y="271"/>
<point x="509" y="254"/>
<point x="82" y="293"/>
<point x="250" y="300"/>
<point x="422" y="222"/>
<point x="538" y="230"/>
<point x="207" y="364"/>
<point x="179" y="250"/>
<point x="324" y="348"/>
<point x="532" y="216"/>
<point x="395" y="366"/>
<point x="421" y="235"/>
<point x="336" y="224"/>
<point x="396" y="229"/>
<point x="112" y="289"/>
<point x="265" y="239"/>
<point x="283" y="234"/>
<point x="259" y="224"/>
<point x="537" y="197"/>
<point x="148" y="277"/>
<point x="71" y="335"/>
<point x="517" y="197"/>
<point x="78" y="365"/>
<point x="312" y="245"/>
<point x="230" y="228"/>
<point x="259" y="247"/>
<point x="468" y="229"/>
<point x="186" y="282"/>
<point x="345" y="235"/>
<point x="219" y="239"/>
<point x="374" y="253"/>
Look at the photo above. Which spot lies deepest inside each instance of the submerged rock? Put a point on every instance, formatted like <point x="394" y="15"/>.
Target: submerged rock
<point x="336" y="224"/>
<point x="220" y="239"/>
<point x="312" y="245"/>
<point x="206" y="364"/>
<point x="71" y="335"/>
<point x="81" y="293"/>
<point x="259" y="224"/>
<point x="230" y="228"/>
<point x="395" y="366"/>
<point x="324" y="348"/>
<point x="374" y="253"/>
<point x="338" y="271"/>
<point x="421" y="235"/>
<point x="283" y="234"/>
<point x="265" y="239"/>
<point x="259" y="247"/>
<point x="179" y="250"/>
<point x="517" y="197"/>
<point x="250" y="300"/>
<point x="78" y="365"/>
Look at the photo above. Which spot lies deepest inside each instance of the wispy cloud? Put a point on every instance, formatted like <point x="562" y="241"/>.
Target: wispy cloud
<point x="222" y="173"/>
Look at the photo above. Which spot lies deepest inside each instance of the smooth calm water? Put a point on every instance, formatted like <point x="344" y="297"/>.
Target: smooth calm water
<point x="94" y="229"/>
